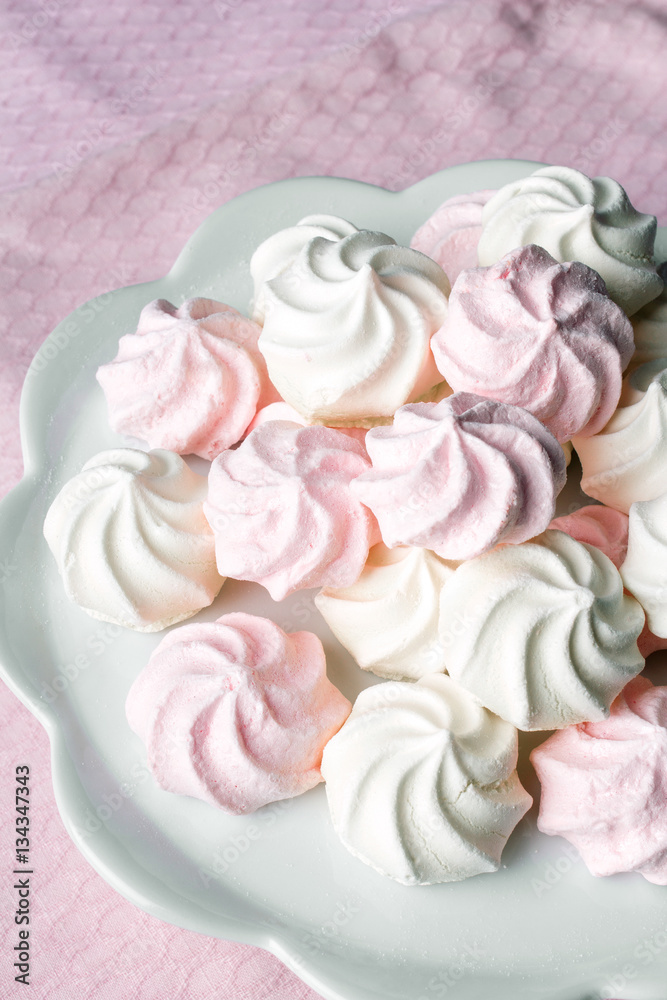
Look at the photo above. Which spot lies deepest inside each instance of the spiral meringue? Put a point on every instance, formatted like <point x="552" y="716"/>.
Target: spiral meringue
<point x="388" y="619"/>
<point x="236" y="712"/>
<point x="604" y="785"/>
<point x="462" y="475"/>
<point x="607" y="530"/>
<point x="644" y="571"/>
<point x="421" y="782"/>
<point x="539" y="334"/>
<point x="627" y="460"/>
<point x="450" y="236"/>
<point x="541" y="632"/>
<point x="189" y="380"/>
<point x="131" y="541"/>
<point x="347" y="321"/>
<point x="282" y="511"/>
<point x="603" y="527"/>
<point x="282" y="249"/>
<point x="578" y="218"/>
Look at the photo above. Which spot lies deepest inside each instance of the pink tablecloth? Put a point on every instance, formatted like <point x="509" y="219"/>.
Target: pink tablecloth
<point x="123" y="125"/>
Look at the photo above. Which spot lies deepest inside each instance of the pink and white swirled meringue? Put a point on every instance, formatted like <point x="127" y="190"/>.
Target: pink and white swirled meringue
<point x="450" y="236"/>
<point x="576" y="217"/>
<point x="348" y="317"/>
<point x="604" y="785"/>
<point x="462" y="475"/>
<point x="189" y="380"/>
<point x="236" y="712"/>
<point x="539" y="334"/>
<point x="282" y="510"/>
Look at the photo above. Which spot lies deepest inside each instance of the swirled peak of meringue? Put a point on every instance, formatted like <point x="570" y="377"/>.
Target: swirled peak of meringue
<point x="603" y="527"/>
<point x="627" y="460"/>
<point x="607" y="530"/>
<point x="189" y="380"/>
<point x="644" y="571"/>
<point x="282" y="511"/>
<point x="575" y="217"/>
<point x="539" y="334"/>
<point x="422" y="783"/>
<point x="450" y="236"/>
<point x="461" y="475"/>
<point x="604" y="785"/>
<point x="236" y="712"/>
<point x="388" y="618"/>
<point x="131" y="541"/>
<point x="541" y="633"/>
<point x="347" y="324"/>
<point x="281" y="249"/>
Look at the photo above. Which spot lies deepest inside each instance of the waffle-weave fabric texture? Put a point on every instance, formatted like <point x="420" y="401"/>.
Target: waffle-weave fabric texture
<point x="123" y="125"/>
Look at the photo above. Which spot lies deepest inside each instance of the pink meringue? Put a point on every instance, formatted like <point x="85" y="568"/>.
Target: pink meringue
<point x="189" y="380"/>
<point x="236" y="712"/>
<point x="603" y="527"/>
<point x="450" y="236"/>
<point x="539" y="334"/>
<point x="279" y="410"/>
<point x="462" y="475"/>
<point x="604" y="785"/>
<point x="283" y="513"/>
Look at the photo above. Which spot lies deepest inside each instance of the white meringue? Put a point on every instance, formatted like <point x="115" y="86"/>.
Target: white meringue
<point x="388" y="619"/>
<point x="422" y="783"/>
<point x="644" y="570"/>
<point x="650" y="330"/>
<point x="131" y="541"/>
<point x="277" y="252"/>
<point x="627" y="460"/>
<point x="541" y="632"/>
<point x="347" y="322"/>
<point x="575" y="217"/>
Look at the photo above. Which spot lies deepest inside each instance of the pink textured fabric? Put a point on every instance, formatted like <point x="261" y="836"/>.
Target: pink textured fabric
<point x="117" y="140"/>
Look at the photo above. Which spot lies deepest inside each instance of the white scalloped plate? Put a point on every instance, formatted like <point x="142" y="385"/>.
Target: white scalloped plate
<point x="541" y="927"/>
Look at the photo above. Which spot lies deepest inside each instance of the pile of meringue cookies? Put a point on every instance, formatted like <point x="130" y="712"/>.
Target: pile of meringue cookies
<point x="393" y="426"/>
